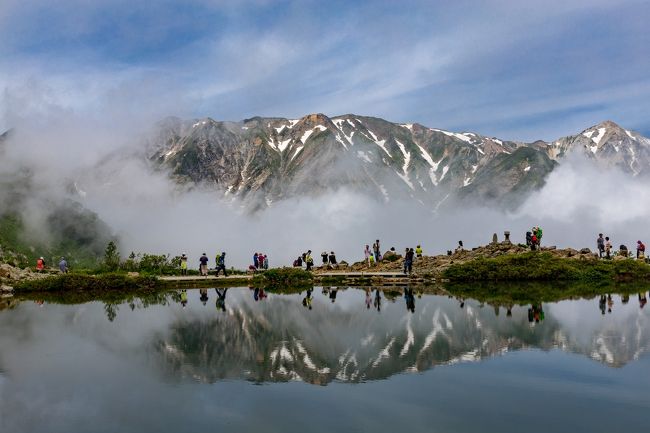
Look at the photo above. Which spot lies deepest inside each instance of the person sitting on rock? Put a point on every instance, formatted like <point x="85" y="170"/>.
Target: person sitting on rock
<point x="418" y="251"/>
<point x="623" y="251"/>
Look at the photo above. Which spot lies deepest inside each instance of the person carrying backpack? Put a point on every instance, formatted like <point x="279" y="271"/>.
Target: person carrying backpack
<point x="309" y="261"/>
<point x="600" y="243"/>
<point x="221" y="265"/>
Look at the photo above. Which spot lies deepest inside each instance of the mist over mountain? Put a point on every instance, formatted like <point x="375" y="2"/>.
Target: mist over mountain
<point x="261" y="161"/>
<point x="195" y="185"/>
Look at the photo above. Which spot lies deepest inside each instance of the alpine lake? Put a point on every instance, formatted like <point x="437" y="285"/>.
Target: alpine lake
<point x="332" y="359"/>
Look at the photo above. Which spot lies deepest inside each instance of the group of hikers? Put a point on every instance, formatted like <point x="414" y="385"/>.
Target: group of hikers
<point x="306" y="259"/>
<point x="372" y="256"/>
<point x="260" y="261"/>
<point x="604" y="246"/>
<point x="220" y="264"/>
<point x="534" y="238"/>
<point x="329" y="260"/>
<point x="63" y="265"/>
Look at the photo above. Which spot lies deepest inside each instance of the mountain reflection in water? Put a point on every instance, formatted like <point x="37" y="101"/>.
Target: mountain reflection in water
<point x="355" y="336"/>
<point x="327" y="334"/>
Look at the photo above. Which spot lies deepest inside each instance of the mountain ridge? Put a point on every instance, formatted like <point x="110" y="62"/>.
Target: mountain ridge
<point x="262" y="160"/>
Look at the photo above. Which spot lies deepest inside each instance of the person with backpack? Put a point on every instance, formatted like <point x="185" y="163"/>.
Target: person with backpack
<point x="600" y="244"/>
<point x="376" y="250"/>
<point x="538" y="233"/>
<point x="640" y="250"/>
<point x="221" y="265"/>
<point x="309" y="261"/>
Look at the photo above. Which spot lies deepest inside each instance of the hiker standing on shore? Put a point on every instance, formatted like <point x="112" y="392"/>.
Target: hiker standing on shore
<point x="418" y="251"/>
<point x="203" y="265"/>
<point x="608" y="248"/>
<point x="376" y="250"/>
<point x="600" y="243"/>
<point x="309" y="261"/>
<point x="366" y="254"/>
<point x="221" y="265"/>
<point x="324" y="256"/>
<point x="408" y="261"/>
<point x="640" y="250"/>
<point x="63" y="266"/>
<point x="183" y="264"/>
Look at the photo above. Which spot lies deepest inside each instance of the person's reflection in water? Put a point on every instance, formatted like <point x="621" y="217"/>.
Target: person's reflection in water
<point x="410" y="300"/>
<point x="602" y="304"/>
<point x="333" y="292"/>
<point x="496" y="310"/>
<point x="461" y="302"/>
<point x="625" y="299"/>
<point x="509" y="310"/>
<point x="306" y="301"/>
<point x="368" y="298"/>
<point x="204" y="295"/>
<point x="378" y="300"/>
<point x="221" y="299"/>
<point x="610" y="303"/>
<point x="184" y="298"/>
<point x="642" y="300"/>
<point x="256" y="294"/>
<point x="535" y="313"/>
<point x="262" y="294"/>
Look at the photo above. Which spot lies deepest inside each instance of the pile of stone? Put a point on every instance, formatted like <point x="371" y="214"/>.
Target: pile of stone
<point x="10" y="274"/>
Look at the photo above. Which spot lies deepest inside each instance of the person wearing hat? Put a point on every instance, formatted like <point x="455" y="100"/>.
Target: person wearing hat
<point x="63" y="266"/>
<point x="184" y="264"/>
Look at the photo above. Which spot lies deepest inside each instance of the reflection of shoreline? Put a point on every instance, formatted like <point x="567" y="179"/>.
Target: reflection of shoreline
<point x="291" y="342"/>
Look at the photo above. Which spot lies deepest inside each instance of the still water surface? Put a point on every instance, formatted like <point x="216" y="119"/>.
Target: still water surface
<point x="354" y="361"/>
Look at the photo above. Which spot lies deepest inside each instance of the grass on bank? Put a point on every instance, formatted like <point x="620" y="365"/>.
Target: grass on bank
<point x="80" y="282"/>
<point x="283" y="277"/>
<point x="535" y="266"/>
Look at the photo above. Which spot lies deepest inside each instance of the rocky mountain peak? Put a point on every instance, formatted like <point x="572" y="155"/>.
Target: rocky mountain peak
<point x="262" y="160"/>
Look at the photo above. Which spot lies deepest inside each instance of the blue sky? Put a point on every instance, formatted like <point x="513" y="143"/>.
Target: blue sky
<point x="513" y="69"/>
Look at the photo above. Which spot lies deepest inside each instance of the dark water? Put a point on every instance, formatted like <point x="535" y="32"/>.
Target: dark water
<point x="273" y="364"/>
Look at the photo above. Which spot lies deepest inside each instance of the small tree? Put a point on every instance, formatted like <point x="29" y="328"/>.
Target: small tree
<point x="111" y="257"/>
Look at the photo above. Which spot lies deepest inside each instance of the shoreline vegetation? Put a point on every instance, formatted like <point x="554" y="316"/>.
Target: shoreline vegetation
<point x="495" y="262"/>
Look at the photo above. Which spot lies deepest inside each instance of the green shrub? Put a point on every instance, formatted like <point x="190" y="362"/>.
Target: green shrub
<point x="535" y="266"/>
